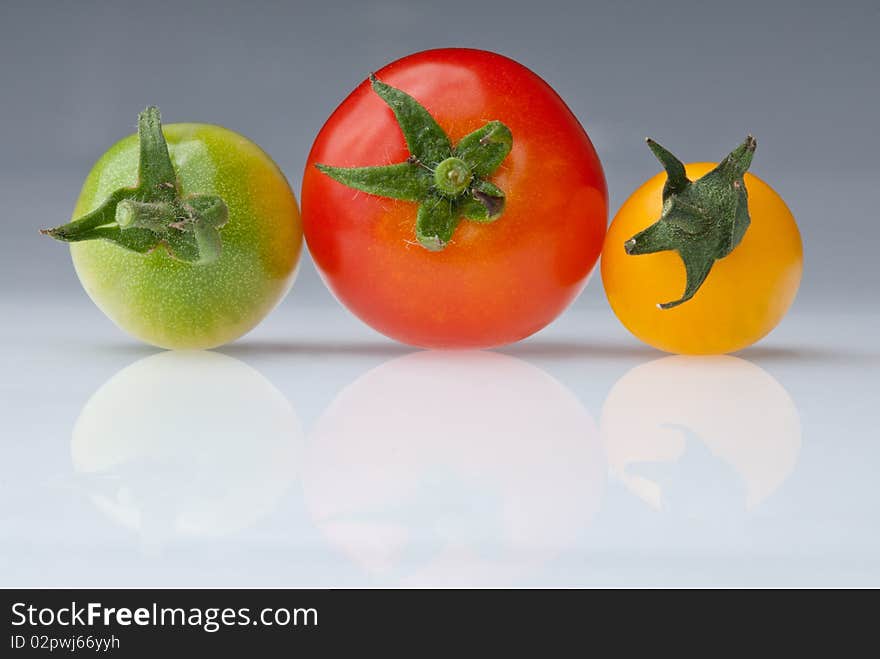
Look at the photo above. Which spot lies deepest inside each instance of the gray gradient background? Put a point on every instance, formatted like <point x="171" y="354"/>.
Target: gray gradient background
<point x="801" y="76"/>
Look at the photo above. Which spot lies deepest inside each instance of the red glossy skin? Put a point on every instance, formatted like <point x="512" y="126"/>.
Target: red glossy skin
<point x="494" y="283"/>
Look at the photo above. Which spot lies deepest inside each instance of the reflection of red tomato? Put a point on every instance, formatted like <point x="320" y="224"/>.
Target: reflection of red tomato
<point x="494" y="282"/>
<point x="482" y="469"/>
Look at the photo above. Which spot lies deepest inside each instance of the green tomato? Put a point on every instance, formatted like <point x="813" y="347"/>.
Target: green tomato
<point x="176" y="274"/>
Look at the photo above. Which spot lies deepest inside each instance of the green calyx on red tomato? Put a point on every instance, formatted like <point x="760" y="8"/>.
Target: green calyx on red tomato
<point x="448" y="182"/>
<point x="154" y="212"/>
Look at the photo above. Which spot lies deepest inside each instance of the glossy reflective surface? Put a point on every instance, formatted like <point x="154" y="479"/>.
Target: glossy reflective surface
<point x="578" y="457"/>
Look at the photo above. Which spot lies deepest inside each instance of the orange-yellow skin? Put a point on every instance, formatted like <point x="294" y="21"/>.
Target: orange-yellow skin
<point x="745" y="296"/>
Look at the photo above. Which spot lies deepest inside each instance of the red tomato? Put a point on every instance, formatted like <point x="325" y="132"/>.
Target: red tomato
<point x="493" y="282"/>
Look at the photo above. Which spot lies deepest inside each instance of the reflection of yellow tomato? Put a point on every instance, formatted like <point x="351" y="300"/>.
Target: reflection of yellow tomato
<point x="661" y="410"/>
<point x="745" y="295"/>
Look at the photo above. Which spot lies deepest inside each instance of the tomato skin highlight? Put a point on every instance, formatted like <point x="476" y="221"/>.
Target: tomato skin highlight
<point x="745" y="296"/>
<point x="176" y="305"/>
<point x="494" y="283"/>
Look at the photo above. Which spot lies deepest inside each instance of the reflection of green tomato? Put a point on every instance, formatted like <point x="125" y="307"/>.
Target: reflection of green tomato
<point x="193" y="444"/>
<point x="454" y="468"/>
<point x="174" y="304"/>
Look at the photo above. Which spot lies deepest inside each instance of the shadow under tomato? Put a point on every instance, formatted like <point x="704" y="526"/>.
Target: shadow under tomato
<point x="548" y="349"/>
<point x="763" y="353"/>
<point x="255" y="348"/>
<point x="541" y="349"/>
<point x="805" y="354"/>
<point x="132" y="348"/>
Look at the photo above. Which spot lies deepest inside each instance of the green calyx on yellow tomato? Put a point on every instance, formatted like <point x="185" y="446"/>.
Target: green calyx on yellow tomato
<point x="702" y="220"/>
<point x="449" y="183"/>
<point x="154" y="212"/>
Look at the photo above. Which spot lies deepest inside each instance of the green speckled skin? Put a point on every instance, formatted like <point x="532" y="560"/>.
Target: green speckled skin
<point x="173" y="304"/>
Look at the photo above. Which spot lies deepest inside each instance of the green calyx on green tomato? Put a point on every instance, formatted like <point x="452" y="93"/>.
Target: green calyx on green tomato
<point x="153" y="212"/>
<point x="186" y="235"/>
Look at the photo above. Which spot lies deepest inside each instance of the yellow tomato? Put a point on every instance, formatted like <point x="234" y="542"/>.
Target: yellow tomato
<point x="743" y="298"/>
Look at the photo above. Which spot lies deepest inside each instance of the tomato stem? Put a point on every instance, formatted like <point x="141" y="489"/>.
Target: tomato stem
<point x="702" y="220"/>
<point x="153" y="213"/>
<point x="452" y="177"/>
